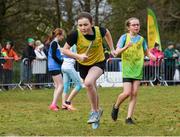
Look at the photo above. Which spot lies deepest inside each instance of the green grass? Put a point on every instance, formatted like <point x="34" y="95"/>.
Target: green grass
<point x="26" y="113"/>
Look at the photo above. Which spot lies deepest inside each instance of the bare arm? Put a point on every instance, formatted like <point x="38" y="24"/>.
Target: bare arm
<point x="66" y="51"/>
<point x="109" y="41"/>
<point x="120" y="50"/>
<point x="150" y="55"/>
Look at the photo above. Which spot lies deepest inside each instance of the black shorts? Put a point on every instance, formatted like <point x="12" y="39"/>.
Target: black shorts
<point x="129" y="80"/>
<point x="83" y="70"/>
<point x="55" y="72"/>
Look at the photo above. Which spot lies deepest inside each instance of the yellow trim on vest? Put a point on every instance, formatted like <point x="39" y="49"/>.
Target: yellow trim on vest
<point x="95" y="53"/>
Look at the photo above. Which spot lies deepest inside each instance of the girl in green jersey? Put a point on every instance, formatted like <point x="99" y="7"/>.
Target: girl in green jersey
<point x="132" y="48"/>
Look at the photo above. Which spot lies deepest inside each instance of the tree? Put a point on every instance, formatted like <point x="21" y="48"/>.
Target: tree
<point x="20" y="19"/>
<point x="168" y="16"/>
<point x="121" y="11"/>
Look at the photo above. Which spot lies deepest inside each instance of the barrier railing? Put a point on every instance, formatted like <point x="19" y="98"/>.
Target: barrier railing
<point x="169" y="71"/>
<point x="9" y="73"/>
<point x="150" y="74"/>
<point x="35" y="74"/>
<point x="26" y="74"/>
<point x="114" y="71"/>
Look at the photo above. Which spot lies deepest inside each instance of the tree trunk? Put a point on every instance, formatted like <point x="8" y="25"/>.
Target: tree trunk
<point x="97" y="12"/>
<point x="58" y="14"/>
<point x="87" y="6"/>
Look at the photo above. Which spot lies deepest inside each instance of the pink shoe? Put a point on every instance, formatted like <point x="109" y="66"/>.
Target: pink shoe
<point x="69" y="107"/>
<point x="53" y="107"/>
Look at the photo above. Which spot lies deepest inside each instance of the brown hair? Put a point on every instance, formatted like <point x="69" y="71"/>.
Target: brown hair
<point x="127" y="22"/>
<point x="56" y="32"/>
<point x="85" y="15"/>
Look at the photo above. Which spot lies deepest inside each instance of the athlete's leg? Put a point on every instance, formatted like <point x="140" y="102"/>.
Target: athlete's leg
<point x="77" y="81"/>
<point x="90" y="83"/>
<point x="58" y="83"/>
<point x="127" y="89"/>
<point x="133" y="98"/>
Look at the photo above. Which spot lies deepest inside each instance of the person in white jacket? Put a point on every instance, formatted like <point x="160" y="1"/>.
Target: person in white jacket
<point x="40" y="62"/>
<point x="39" y="50"/>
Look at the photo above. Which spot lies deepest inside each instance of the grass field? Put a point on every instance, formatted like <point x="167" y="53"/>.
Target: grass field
<point x="25" y="113"/>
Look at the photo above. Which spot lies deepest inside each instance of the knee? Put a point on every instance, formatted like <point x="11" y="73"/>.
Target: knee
<point x="134" y="93"/>
<point x="126" y="94"/>
<point x="88" y="84"/>
<point x="78" y="87"/>
<point x="60" y="87"/>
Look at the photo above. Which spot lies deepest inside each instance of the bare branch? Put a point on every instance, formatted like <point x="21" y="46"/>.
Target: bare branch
<point x="12" y="4"/>
<point x="81" y="3"/>
<point x="11" y="15"/>
<point x="174" y="16"/>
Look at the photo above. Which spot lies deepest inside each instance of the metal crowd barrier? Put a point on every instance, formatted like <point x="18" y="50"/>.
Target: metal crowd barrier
<point x="149" y="72"/>
<point x="9" y="73"/>
<point x="34" y="74"/>
<point x="114" y="71"/>
<point x="163" y="71"/>
<point x="169" y="71"/>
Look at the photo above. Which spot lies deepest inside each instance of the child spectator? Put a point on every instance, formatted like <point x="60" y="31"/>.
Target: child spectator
<point x="155" y="65"/>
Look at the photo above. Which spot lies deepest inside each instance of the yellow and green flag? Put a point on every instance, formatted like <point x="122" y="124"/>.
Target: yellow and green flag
<point x="152" y="30"/>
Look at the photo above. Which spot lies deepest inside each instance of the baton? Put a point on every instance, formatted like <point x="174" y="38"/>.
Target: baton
<point x="87" y="50"/>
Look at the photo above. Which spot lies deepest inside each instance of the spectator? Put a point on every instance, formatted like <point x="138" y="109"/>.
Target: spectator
<point x="177" y="51"/>
<point x="9" y="55"/>
<point x="177" y="71"/>
<point x="30" y="55"/>
<point x="170" y="56"/>
<point x="2" y="61"/>
<point x="39" y="63"/>
<point x="155" y="65"/>
<point x="39" y="50"/>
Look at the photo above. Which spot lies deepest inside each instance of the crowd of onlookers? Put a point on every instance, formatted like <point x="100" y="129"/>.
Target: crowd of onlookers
<point x="171" y="62"/>
<point x="35" y="49"/>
